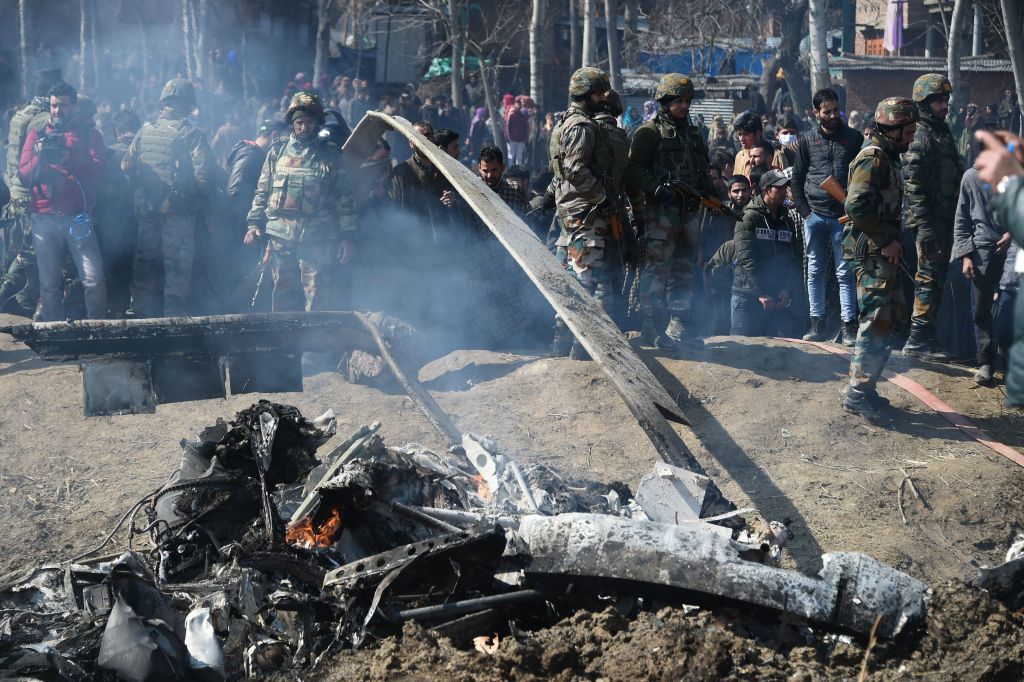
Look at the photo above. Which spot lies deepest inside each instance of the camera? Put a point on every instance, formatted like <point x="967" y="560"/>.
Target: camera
<point x="51" y="147"/>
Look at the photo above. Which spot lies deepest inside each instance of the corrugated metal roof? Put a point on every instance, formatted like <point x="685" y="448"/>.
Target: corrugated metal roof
<point x="938" y="64"/>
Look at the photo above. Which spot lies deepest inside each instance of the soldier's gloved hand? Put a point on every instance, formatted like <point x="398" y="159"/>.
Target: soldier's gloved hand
<point x="252" y="234"/>
<point x="549" y="201"/>
<point x="663" y="195"/>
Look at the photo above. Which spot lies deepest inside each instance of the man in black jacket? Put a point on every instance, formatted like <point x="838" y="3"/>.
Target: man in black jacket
<point x="825" y="151"/>
<point x="766" y="261"/>
<point x="244" y="165"/>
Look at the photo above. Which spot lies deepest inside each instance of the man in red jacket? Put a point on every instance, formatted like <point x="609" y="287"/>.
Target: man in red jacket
<point x="61" y="164"/>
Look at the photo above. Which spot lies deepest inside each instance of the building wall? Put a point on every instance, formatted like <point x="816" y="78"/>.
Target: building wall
<point x="870" y="18"/>
<point x="865" y="88"/>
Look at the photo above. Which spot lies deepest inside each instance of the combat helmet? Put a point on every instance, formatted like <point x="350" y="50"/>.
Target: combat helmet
<point x="895" y="112"/>
<point x="672" y="86"/>
<point x="179" y="89"/>
<point x="931" y="85"/>
<point x="307" y="102"/>
<point x="587" y="80"/>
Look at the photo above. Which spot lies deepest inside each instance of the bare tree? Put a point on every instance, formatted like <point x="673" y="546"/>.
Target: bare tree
<point x="794" y="14"/>
<point x="1015" y="45"/>
<point x="589" y="34"/>
<point x="574" y="34"/>
<point x="611" y="14"/>
<point x="956" y="46"/>
<point x="536" y="53"/>
<point x="200" y="18"/>
<point x="23" y="46"/>
<point x="817" y="32"/>
<point x="631" y="35"/>
<point x="458" y="40"/>
<point x="323" y="39"/>
<point x="83" y="24"/>
<point x="186" y="35"/>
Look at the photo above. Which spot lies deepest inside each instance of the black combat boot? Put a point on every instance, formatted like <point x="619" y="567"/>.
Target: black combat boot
<point x="983" y="377"/>
<point x="921" y="344"/>
<point x="858" y="402"/>
<point x="817" y="330"/>
<point x="648" y="333"/>
<point x="850" y="333"/>
<point x="678" y="335"/>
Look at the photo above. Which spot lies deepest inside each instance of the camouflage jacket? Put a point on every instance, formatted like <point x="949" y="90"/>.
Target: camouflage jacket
<point x="873" y="200"/>
<point x="303" y="193"/>
<point x="579" y="161"/>
<point x="933" y="171"/>
<point x="618" y="147"/>
<point x="663" y="148"/>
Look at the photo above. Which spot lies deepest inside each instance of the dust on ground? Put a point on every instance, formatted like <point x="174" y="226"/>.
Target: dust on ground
<point x="765" y="423"/>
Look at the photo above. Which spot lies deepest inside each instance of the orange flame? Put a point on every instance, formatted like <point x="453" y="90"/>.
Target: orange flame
<point x="303" y="534"/>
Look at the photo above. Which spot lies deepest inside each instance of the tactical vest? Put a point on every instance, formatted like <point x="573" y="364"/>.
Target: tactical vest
<point x="618" y="147"/>
<point x="166" y="179"/>
<point x="32" y="115"/>
<point x="680" y="156"/>
<point x="601" y="158"/>
<point x="298" y="192"/>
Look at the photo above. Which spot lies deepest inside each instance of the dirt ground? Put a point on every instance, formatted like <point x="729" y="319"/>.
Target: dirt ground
<point x="766" y="424"/>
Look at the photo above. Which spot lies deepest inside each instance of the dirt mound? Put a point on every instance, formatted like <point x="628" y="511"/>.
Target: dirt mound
<point x="969" y="636"/>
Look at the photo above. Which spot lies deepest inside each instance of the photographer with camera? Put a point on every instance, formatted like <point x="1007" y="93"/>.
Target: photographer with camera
<point x="61" y="164"/>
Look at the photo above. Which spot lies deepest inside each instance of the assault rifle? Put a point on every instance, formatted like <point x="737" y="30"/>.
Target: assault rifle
<point x="706" y="200"/>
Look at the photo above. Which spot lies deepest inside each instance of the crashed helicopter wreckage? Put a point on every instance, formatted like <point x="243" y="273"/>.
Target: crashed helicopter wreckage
<point x="132" y="365"/>
<point x="264" y="557"/>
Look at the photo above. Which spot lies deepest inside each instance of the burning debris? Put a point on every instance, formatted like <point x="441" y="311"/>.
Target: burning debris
<point x="264" y="557"/>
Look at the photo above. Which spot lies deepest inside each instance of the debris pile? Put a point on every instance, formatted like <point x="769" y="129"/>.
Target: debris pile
<point x="262" y="557"/>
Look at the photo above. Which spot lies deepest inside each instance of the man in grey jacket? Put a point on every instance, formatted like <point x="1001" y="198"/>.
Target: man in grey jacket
<point x="981" y="244"/>
<point x="825" y="151"/>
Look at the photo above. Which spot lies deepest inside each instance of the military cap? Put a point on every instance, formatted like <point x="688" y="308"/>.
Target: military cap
<point x="895" y="112"/>
<point x="931" y="85"/>
<point x="308" y="103"/>
<point x="673" y="85"/>
<point x="588" y="80"/>
<point x="180" y="89"/>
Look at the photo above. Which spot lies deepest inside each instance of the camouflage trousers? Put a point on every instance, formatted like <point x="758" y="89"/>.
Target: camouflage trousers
<point x="666" y="277"/>
<point x="303" y="274"/>
<point x="933" y="253"/>
<point x="883" y="319"/>
<point x="581" y="248"/>
<point x="165" y="250"/>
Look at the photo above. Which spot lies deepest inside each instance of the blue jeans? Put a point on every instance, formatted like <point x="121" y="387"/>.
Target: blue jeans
<point x="53" y="236"/>
<point x="819" y="231"/>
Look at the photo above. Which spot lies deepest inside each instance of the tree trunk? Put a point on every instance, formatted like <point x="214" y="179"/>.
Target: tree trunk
<point x="94" y="63"/>
<point x="818" y="31"/>
<point x="537" y="54"/>
<point x="631" y="35"/>
<point x="493" y="112"/>
<point x="201" y="25"/>
<point x="789" y="55"/>
<point x="1015" y="46"/>
<point x="144" y="47"/>
<point x="23" y="46"/>
<point x="956" y="46"/>
<point x="574" y="34"/>
<point x="458" y="36"/>
<point x="186" y="36"/>
<point x="323" y="34"/>
<point x="611" y="15"/>
<point x="589" y="34"/>
<point x="83" y="25"/>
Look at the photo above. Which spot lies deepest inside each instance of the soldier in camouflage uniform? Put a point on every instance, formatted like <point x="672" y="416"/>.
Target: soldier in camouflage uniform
<point x="172" y="171"/>
<point x="618" y="144"/>
<point x="871" y="242"/>
<point x="933" y="174"/>
<point x="581" y="161"/>
<point x="668" y="147"/>
<point x="19" y="286"/>
<point x="304" y="203"/>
